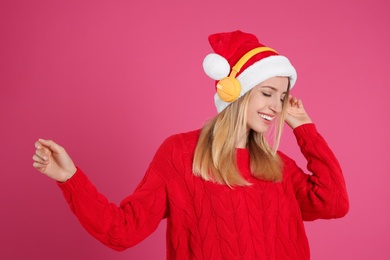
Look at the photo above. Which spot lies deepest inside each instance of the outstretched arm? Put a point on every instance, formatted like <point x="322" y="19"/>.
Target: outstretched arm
<point x="117" y="227"/>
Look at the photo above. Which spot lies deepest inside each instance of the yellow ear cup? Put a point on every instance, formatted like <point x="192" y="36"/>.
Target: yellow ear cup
<point x="228" y="89"/>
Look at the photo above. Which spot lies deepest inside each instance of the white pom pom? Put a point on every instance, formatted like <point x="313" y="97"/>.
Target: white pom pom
<point x="216" y="66"/>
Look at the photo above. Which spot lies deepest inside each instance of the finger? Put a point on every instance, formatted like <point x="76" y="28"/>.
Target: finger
<point x="38" y="145"/>
<point x="43" y="153"/>
<point x="290" y="100"/>
<point x="51" y="145"/>
<point x="293" y="101"/>
<point x="39" y="167"/>
<point x="299" y="103"/>
<point x="40" y="160"/>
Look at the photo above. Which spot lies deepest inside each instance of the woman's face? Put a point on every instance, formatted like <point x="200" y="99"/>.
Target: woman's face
<point x="265" y="103"/>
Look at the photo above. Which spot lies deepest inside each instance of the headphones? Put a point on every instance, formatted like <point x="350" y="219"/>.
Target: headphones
<point x="229" y="88"/>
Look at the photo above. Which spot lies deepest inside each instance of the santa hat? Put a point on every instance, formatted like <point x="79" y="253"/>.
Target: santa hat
<point x="229" y="48"/>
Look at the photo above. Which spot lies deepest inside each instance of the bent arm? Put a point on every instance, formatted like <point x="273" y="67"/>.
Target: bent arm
<point x="322" y="194"/>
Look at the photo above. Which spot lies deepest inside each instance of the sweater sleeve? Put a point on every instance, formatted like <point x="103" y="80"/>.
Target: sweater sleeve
<point x="322" y="193"/>
<point x="120" y="227"/>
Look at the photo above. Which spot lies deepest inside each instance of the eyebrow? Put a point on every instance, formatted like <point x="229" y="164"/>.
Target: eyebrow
<point x="273" y="88"/>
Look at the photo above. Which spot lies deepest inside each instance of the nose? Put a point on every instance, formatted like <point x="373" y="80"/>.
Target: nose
<point x="276" y="106"/>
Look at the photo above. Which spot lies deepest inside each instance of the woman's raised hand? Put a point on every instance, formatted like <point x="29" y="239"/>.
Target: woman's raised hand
<point x="296" y="113"/>
<point x="52" y="160"/>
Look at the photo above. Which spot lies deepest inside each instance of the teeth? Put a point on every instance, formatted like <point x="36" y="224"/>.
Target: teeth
<point x="269" y="118"/>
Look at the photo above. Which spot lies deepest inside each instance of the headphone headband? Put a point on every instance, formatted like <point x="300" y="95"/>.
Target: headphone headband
<point x="229" y="88"/>
<point x="236" y="68"/>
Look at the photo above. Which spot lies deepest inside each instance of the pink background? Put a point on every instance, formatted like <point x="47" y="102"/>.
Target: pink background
<point x="110" y="80"/>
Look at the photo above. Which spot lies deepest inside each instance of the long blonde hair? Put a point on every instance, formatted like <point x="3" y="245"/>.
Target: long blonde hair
<point x="215" y="152"/>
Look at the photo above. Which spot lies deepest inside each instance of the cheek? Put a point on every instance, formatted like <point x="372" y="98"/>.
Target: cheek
<point x="256" y="100"/>
<point x="251" y="106"/>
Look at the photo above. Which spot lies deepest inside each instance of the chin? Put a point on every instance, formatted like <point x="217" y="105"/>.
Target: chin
<point x="260" y="130"/>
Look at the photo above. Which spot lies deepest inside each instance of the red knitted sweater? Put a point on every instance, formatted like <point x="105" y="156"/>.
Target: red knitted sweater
<point x="212" y="221"/>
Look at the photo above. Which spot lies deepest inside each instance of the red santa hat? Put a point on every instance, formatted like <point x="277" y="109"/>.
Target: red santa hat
<point x="229" y="48"/>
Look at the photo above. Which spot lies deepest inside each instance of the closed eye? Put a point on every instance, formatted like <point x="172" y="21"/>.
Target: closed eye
<point x="269" y="95"/>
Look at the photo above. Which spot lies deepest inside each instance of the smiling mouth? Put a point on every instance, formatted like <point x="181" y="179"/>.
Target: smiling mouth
<point x="266" y="117"/>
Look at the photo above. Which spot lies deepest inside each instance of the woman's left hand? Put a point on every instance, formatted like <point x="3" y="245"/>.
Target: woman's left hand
<point x="296" y="114"/>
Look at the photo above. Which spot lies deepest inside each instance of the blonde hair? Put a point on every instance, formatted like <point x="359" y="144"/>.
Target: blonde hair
<point x="215" y="152"/>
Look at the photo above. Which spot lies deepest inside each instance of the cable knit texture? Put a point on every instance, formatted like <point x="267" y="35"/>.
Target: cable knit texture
<point x="206" y="220"/>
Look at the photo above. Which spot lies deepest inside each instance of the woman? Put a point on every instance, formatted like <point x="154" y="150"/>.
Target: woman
<point x="225" y="191"/>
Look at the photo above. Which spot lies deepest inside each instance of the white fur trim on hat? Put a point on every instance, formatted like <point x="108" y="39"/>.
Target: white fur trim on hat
<point x="260" y="71"/>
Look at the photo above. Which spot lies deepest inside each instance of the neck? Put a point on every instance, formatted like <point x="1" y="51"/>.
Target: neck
<point x="242" y="139"/>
